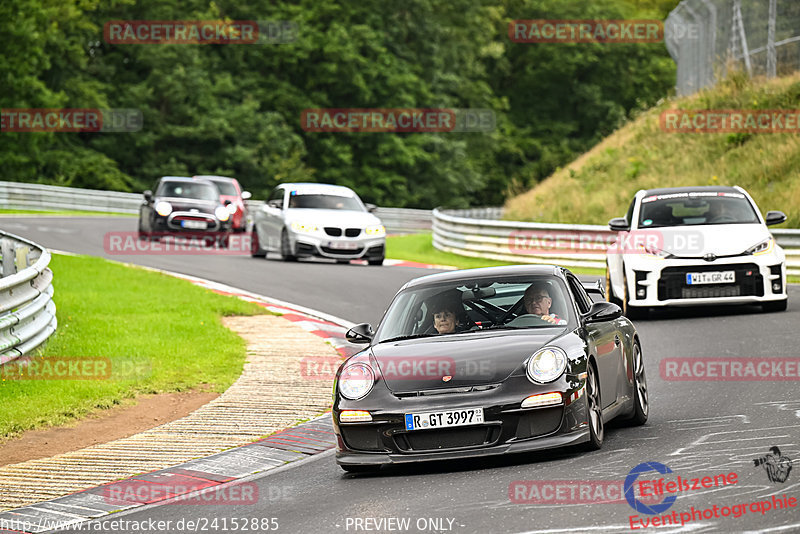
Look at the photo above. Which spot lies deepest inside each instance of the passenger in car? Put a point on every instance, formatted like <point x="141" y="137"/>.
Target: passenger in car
<point x="447" y="313"/>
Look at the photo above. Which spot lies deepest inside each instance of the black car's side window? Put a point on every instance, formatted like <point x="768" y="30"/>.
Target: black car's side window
<point x="580" y="296"/>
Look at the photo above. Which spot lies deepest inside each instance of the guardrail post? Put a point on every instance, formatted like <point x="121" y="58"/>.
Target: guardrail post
<point x="9" y="258"/>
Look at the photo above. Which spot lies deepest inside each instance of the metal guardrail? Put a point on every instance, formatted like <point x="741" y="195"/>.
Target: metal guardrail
<point x="479" y="233"/>
<point x="27" y="310"/>
<point x="17" y="195"/>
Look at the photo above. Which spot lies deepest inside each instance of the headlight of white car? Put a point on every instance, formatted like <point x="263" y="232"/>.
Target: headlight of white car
<point x="376" y="230"/>
<point x="655" y="251"/>
<point x="222" y="213"/>
<point x="356" y="381"/>
<point x="163" y="208"/>
<point x="306" y="227"/>
<point x="765" y="247"/>
<point x="546" y="365"/>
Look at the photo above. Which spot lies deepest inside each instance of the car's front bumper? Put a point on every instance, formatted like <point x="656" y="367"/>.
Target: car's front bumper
<point x="507" y="428"/>
<point x="663" y="282"/>
<point x="305" y="245"/>
<point x="174" y="224"/>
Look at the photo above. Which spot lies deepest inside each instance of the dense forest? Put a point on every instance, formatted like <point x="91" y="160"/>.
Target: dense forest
<point x="234" y="109"/>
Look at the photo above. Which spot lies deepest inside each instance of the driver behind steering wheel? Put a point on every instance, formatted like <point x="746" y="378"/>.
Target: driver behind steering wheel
<point x="537" y="302"/>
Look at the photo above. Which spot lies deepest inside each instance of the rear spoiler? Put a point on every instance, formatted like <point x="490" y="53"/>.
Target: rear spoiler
<point x="595" y="287"/>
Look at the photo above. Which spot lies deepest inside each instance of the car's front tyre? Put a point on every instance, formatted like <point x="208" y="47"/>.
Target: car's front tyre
<point x="641" y="402"/>
<point x="376" y="261"/>
<point x="286" y="248"/>
<point x="594" y="409"/>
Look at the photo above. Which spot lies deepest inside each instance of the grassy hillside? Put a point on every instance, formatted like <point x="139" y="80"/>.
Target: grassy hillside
<point x="600" y="184"/>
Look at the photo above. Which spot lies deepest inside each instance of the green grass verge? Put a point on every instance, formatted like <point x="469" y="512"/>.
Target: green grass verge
<point x="73" y="213"/>
<point x="161" y="333"/>
<point x="419" y="248"/>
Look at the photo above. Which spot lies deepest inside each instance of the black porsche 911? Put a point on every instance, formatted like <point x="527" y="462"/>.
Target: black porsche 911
<point x="487" y="361"/>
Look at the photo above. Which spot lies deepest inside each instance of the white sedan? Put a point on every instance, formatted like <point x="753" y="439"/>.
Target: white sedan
<point x="688" y="246"/>
<point x="328" y="221"/>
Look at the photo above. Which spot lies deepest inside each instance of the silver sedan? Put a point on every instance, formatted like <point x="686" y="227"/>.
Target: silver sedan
<point x="328" y="221"/>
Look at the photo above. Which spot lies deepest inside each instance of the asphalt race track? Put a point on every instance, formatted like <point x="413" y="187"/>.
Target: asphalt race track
<point x="696" y="428"/>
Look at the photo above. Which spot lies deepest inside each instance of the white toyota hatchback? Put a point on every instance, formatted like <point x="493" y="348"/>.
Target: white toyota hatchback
<point x="688" y="246"/>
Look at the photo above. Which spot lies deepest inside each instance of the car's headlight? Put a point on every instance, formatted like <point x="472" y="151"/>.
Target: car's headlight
<point x="356" y="381"/>
<point x="221" y="213"/>
<point x="376" y="230"/>
<point x="765" y="247"/>
<point x="163" y="208"/>
<point x="298" y="226"/>
<point x="232" y="208"/>
<point x="655" y="251"/>
<point x="547" y="364"/>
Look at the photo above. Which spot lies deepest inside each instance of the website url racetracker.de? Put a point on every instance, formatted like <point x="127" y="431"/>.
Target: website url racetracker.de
<point x="200" y="524"/>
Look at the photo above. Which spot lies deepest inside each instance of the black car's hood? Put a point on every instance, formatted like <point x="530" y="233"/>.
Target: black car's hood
<point x="188" y="204"/>
<point x="468" y="359"/>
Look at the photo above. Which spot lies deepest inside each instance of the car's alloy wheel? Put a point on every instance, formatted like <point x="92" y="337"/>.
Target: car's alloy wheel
<point x="595" y="410"/>
<point x="255" y="246"/>
<point x="286" y="247"/>
<point x="641" y="403"/>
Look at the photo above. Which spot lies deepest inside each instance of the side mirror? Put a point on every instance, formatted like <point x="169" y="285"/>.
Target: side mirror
<point x="360" y="333"/>
<point x="371" y="207"/>
<point x="775" y="217"/>
<point x="246" y="195"/>
<point x="602" y="311"/>
<point x="275" y="203"/>
<point x="148" y="196"/>
<point x="619" y="224"/>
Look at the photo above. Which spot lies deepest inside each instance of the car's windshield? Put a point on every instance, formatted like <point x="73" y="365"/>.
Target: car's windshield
<point x="322" y="201"/>
<point x="226" y="188"/>
<point x="695" y="208"/>
<point x="195" y="190"/>
<point x="469" y="306"/>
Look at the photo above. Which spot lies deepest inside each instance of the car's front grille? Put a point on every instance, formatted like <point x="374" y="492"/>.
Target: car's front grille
<point x="342" y="252"/>
<point x="672" y="284"/>
<point x="447" y="438"/>
<point x="333" y="232"/>
<point x="352" y="232"/>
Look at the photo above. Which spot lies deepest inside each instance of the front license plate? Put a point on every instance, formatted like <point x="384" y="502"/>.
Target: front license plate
<point x="428" y="420"/>
<point x="711" y="277"/>
<point x="343" y="245"/>
<point x="194" y="225"/>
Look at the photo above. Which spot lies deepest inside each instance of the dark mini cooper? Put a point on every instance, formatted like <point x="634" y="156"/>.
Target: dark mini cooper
<point x="184" y="206"/>
<point x="487" y="361"/>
